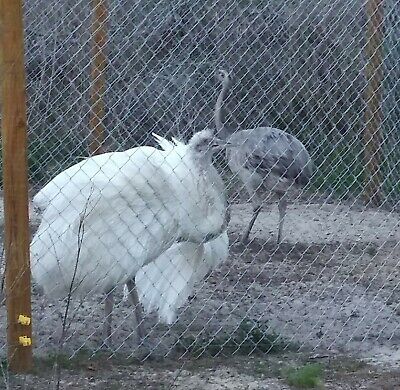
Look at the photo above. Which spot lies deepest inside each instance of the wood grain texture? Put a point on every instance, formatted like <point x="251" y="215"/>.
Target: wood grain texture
<point x="14" y="141"/>
<point x="372" y="136"/>
<point x="99" y="37"/>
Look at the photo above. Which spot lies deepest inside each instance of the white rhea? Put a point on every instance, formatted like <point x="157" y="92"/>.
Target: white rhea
<point x="109" y="215"/>
<point x="265" y="159"/>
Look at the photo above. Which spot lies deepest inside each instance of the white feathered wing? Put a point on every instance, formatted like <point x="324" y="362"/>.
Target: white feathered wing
<point x="120" y="211"/>
<point x="165" y="284"/>
<point x="101" y="223"/>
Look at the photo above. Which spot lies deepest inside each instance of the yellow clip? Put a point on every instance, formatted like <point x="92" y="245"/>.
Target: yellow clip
<point x="25" y="341"/>
<point x="24" y="320"/>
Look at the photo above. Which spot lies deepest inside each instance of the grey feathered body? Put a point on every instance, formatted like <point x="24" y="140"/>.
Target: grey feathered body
<point x="268" y="159"/>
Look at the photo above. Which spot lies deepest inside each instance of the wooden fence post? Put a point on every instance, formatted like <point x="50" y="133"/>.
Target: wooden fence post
<point x="15" y="180"/>
<point x="373" y="100"/>
<point x="99" y="39"/>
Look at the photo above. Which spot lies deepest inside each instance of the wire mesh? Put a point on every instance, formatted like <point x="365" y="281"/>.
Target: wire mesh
<point x="333" y="282"/>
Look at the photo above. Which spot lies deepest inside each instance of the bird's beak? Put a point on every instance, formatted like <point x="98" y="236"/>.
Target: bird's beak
<point x="223" y="144"/>
<point x="229" y="143"/>
<point x="226" y="144"/>
<point x="220" y="144"/>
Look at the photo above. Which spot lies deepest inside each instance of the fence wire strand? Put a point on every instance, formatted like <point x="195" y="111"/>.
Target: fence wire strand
<point x="333" y="283"/>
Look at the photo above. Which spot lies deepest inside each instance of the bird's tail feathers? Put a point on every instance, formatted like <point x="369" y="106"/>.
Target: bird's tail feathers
<point x="165" y="284"/>
<point x="305" y="175"/>
<point x="163" y="142"/>
<point x="176" y="141"/>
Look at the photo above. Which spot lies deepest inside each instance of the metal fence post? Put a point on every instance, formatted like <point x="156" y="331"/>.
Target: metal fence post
<point x="373" y="99"/>
<point x="18" y="275"/>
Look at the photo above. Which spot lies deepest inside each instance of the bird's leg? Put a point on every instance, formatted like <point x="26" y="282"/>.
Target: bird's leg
<point x="109" y="303"/>
<point x="282" y="205"/>
<point x="134" y="298"/>
<point x="256" y="211"/>
<point x="227" y="215"/>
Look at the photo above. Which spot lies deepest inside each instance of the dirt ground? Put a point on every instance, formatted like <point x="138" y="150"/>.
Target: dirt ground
<point x="233" y="373"/>
<point x="332" y="289"/>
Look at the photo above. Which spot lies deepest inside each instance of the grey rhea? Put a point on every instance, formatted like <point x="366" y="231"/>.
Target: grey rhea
<point x="266" y="160"/>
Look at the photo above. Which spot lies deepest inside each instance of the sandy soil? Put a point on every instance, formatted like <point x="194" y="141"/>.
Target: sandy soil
<point x="333" y="286"/>
<point x="235" y="373"/>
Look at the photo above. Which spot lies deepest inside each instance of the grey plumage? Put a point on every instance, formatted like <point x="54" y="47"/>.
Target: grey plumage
<point x="266" y="160"/>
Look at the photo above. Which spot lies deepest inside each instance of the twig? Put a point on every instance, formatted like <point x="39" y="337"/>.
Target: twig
<point x="177" y="376"/>
<point x="4" y="374"/>
<point x="81" y="232"/>
<point x="3" y="277"/>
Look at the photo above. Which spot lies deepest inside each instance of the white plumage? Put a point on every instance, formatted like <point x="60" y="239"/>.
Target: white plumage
<point x="122" y="210"/>
<point x="165" y="284"/>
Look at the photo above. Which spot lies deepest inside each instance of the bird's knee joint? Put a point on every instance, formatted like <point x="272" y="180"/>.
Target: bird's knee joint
<point x="257" y="209"/>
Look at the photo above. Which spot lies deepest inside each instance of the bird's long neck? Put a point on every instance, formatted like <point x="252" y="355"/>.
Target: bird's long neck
<point x="203" y="162"/>
<point x="221" y="131"/>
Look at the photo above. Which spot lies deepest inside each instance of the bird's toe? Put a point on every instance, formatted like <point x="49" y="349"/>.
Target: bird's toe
<point x="245" y="240"/>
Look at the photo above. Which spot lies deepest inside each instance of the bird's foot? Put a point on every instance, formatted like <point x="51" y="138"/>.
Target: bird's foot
<point x="245" y="240"/>
<point x="108" y="340"/>
<point x="106" y="337"/>
<point x="144" y="348"/>
<point x="106" y="345"/>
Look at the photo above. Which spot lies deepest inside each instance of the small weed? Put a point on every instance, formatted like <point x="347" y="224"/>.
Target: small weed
<point x="3" y="367"/>
<point x="346" y="365"/>
<point x="306" y="377"/>
<point x="63" y="360"/>
<point x="250" y="337"/>
<point x="114" y="386"/>
<point x="82" y="359"/>
<point x="371" y="250"/>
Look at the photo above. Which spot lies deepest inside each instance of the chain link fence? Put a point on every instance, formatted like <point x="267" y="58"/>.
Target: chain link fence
<point x="333" y="283"/>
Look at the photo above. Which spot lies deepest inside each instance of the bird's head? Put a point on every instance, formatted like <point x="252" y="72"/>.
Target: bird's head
<point x="205" y="143"/>
<point x="223" y="76"/>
